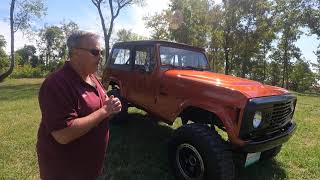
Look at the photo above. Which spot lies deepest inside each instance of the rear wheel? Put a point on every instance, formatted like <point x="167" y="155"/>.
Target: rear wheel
<point x="197" y="152"/>
<point x="122" y="116"/>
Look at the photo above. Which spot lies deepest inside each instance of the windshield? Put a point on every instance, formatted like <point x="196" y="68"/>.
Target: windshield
<point x="182" y="58"/>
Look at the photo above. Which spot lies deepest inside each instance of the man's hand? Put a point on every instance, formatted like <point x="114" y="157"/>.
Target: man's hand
<point x="112" y="105"/>
<point x="81" y="126"/>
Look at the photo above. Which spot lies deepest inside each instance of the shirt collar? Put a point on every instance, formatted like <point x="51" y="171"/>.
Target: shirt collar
<point x="72" y="73"/>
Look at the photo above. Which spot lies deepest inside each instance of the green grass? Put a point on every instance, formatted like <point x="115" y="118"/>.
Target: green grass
<point x="137" y="150"/>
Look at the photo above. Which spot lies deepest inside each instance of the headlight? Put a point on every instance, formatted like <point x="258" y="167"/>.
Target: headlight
<point x="257" y="119"/>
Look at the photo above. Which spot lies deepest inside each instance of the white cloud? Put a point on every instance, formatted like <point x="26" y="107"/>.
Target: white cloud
<point x="20" y="39"/>
<point x="137" y="13"/>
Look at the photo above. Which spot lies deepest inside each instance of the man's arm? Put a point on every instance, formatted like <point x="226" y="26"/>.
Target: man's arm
<point x="81" y="126"/>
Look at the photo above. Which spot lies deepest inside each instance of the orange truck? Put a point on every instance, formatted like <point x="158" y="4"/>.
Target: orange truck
<point x="170" y="80"/>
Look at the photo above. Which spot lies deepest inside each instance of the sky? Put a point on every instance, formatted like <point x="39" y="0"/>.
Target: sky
<point x="86" y="16"/>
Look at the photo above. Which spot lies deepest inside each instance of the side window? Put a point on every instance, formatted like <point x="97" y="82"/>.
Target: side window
<point x="120" y="56"/>
<point x="144" y="58"/>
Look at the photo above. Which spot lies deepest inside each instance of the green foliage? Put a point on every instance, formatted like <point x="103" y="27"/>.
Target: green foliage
<point x="4" y="61"/>
<point x="51" y="43"/>
<point x="274" y="74"/>
<point x="26" y="12"/>
<point x="160" y="26"/>
<point x="27" y="54"/>
<point x="128" y="35"/>
<point x="27" y="71"/>
<point x="302" y="77"/>
<point x="67" y="28"/>
<point x="3" y="42"/>
<point x="248" y="38"/>
<point x="188" y="21"/>
<point x="22" y="16"/>
<point x="311" y="15"/>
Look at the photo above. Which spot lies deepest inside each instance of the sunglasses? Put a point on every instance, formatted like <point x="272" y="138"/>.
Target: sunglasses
<point x="94" y="52"/>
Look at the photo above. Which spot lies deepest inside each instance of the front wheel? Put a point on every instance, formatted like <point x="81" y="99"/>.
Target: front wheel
<point x="197" y="152"/>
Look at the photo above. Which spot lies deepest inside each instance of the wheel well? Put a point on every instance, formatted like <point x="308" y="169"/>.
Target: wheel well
<point x="199" y="115"/>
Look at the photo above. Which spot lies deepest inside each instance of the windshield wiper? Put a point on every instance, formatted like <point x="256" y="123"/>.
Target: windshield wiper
<point x="193" y="68"/>
<point x="171" y="66"/>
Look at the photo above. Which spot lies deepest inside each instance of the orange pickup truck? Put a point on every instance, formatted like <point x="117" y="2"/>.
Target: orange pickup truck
<point x="170" y="80"/>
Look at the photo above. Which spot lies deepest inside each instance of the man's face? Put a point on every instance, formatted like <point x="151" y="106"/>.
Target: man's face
<point x="88" y="55"/>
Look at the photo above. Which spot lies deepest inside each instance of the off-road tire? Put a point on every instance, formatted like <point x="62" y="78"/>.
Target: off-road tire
<point x="215" y="153"/>
<point x="122" y="116"/>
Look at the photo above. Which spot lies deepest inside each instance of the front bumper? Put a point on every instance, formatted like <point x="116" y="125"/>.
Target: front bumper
<point x="267" y="143"/>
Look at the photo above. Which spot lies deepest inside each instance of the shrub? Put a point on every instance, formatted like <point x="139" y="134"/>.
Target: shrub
<point x="27" y="71"/>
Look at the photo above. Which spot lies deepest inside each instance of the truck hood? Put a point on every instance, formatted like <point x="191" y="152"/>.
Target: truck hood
<point x="249" y="88"/>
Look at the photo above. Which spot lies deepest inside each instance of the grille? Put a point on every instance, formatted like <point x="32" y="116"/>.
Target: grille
<point x="280" y="114"/>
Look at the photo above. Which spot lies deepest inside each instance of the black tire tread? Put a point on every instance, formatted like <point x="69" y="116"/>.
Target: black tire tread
<point x="217" y="153"/>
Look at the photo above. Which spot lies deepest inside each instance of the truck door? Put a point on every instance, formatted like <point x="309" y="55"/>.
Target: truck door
<point x="144" y="75"/>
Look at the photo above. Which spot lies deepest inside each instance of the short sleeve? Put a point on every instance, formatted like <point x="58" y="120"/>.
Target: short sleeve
<point x="57" y="107"/>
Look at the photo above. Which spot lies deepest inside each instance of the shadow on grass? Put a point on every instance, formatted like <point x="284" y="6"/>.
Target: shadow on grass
<point x="138" y="151"/>
<point x="264" y="170"/>
<point x="18" y="92"/>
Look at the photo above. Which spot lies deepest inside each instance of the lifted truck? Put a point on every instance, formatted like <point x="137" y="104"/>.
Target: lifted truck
<point x="170" y="80"/>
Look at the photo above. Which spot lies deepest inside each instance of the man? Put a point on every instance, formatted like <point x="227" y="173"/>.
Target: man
<point x="73" y="133"/>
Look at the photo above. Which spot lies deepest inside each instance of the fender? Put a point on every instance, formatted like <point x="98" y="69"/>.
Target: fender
<point x="227" y="114"/>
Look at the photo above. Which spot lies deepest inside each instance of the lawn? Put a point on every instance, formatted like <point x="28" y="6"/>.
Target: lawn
<point x="137" y="150"/>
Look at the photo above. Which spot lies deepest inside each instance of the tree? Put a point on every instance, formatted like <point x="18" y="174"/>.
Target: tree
<point x="51" y="43"/>
<point x="185" y="21"/>
<point x="67" y="29"/>
<point x="159" y="24"/>
<point x="128" y="35"/>
<point x="189" y="21"/>
<point x="3" y="42"/>
<point x="227" y="27"/>
<point x="311" y="16"/>
<point x="317" y="65"/>
<point x="288" y="15"/>
<point x="312" y="20"/>
<point x="21" y="19"/>
<point x="3" y="55"/>
<point x="302" y="78"/>
<point x="115" y="8"/>
<point x="27" y="53"/>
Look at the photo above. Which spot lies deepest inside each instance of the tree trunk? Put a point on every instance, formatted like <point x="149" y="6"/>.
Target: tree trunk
<point x="285" y="65"/>
<point x="226" y="51"/>
<point x="264" y="63"/>
<point x="106" y="37"/>
<point x="7" y="73"/>
<point x="226" y="56"/>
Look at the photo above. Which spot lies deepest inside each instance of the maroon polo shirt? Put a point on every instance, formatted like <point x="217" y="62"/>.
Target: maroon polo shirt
<point x="63" y="97"/>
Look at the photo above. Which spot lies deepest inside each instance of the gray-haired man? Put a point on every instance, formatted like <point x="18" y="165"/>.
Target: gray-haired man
<point x="73" y="133"/>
